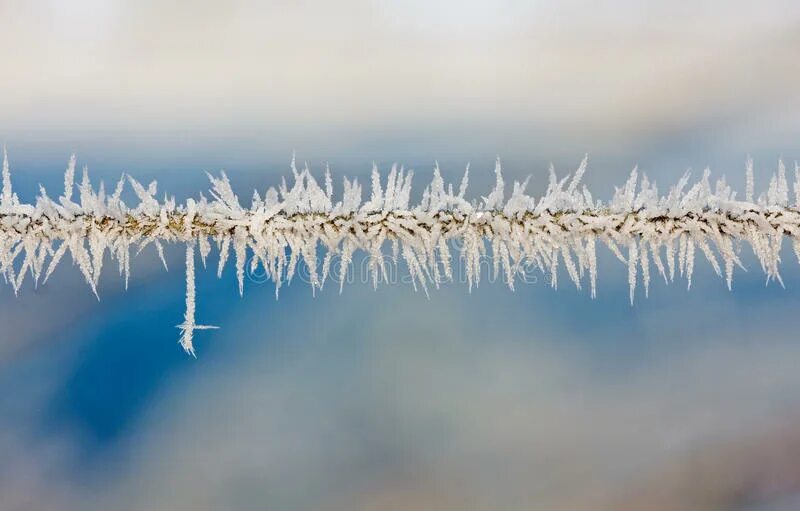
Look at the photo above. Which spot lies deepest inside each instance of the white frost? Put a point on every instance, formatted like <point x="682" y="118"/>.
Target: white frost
<point x="305" y="223"/>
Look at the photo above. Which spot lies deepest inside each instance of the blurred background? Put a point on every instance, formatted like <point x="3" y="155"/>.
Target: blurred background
<point x="383" y="400"/>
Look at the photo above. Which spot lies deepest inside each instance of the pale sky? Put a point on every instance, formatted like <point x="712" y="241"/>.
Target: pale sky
<point x="622" y="66"/>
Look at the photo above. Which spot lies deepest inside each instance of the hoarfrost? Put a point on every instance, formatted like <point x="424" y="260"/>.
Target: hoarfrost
<point x="294" y="223"/>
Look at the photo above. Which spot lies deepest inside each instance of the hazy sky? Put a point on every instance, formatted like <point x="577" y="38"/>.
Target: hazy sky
<point x="604" y="67"/>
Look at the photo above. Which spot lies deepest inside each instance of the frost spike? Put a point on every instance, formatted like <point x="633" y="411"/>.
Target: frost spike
<point x="632" y="257"/>
<point x="750" y="182"/>
<point x="189" y="324"/>
<point x="5" y="199"/>
<point x="796" y="185"/>
<point x="69" y="178"/>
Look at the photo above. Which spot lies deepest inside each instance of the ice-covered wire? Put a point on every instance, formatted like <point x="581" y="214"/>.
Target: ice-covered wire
<point x="303" y="222"/>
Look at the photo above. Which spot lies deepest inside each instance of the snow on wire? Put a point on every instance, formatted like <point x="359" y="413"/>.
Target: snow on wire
<point x="303" y="221"/>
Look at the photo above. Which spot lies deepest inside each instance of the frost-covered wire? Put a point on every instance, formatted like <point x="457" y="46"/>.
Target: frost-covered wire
<point x="302" y="221"/>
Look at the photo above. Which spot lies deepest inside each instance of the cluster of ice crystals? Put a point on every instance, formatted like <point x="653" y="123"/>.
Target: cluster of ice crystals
<point x="303" y="221"/>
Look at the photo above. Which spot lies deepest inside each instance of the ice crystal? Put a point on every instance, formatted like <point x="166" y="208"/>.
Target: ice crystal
<point x="303" y="222"/>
